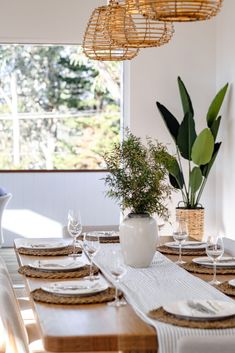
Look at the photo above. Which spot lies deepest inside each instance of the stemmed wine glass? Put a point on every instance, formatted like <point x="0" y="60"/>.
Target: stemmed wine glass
<point x="74" y="228"/>
<point x="214" y="250"/>
<point x="180" y="234"/>
<point x="117" y="269"/>
<point x="91" y="245"/>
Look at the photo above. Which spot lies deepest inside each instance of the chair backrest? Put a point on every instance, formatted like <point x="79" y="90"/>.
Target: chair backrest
<point x="3" y="203"/>
<point x="206" y="344"/>
<point x="15" y="333"/>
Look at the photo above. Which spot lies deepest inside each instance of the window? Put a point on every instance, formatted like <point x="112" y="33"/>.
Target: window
<point x="58" y="110"/>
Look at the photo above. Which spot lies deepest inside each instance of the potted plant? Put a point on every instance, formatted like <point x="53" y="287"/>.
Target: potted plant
<point x="199" y="150"/>
<point x="137" y="180"/>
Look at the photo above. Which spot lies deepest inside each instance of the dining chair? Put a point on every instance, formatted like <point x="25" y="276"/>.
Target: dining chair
<point x="3" y="203"/>
<point x="207" y="344"/>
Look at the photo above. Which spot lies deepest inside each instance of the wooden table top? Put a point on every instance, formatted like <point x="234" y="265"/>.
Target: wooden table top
<point x="93" y="328"/>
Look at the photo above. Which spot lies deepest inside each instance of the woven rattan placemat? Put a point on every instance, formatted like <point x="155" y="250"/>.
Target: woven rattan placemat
<point x="106" y="239"/>
<point x="226" y="288"/>
<point x="172" y="251"/>
<point x="35" y="273"/>
<point x="195" y="268"/>
<point x="49" y="252"/>
<point x="40" y="295"/>
<point x="161" y="315"/>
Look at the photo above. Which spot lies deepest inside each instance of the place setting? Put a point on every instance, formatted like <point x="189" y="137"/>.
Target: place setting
<point x="57" y="269"/>
<point x="84" y="291"/>
<point x="214" y="263"/>
<point x="197" y="313"/>
<point x="180" y="246"/>
<point x="105" y="236"/>
<point x="52" y="248"/>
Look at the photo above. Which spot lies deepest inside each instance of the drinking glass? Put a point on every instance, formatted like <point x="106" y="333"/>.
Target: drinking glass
<point x="117" y="269"/>
<point x="214" y="250"/>
<point x="91" y="245"/>
<point x="74" y="228"/>
<point x="180" y="234"/>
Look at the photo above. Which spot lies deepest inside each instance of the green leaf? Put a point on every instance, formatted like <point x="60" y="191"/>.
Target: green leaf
<point x="185" y="98"/>
<point x="206" y="168"/>
<point x="186" y="136"/>
<point x="216" y="105"/>
<point x="174" y="182"/>
<point x="203" y="147"/>
<point x="170" y="121"/>
<point x="195" y="179"/>
<point x="174" y="171"/>
<point x="215" y="127"/>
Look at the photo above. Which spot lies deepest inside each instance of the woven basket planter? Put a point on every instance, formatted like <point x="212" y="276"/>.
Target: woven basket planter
<point x="195" y="220"/>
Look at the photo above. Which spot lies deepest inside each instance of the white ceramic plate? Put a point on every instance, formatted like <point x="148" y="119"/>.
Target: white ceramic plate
<point x="187" y="245"/>
<point x="103" y="234"/>
<point x="81" y="287"/>
<point x="201" y="309"/>
<point x="57" y="265"/>
<point x="46" y="245"/>
<point x="225" y="261"/>
<point x="232" y="282"/>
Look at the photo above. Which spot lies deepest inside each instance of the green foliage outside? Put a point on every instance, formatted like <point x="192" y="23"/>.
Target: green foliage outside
<point x="138" y="175"/>
<point x="58" y="110"/>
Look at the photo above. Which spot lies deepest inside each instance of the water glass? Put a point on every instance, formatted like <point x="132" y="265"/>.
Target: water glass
<point x="91" y="245"/>
<point x="180" y="234"/>
<point x="214" y="250"/>
<point x="117" y="269"/>
<point x="74" y="228"/>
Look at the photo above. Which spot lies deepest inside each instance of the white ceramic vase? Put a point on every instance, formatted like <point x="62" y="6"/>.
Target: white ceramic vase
<point x="3" y="202"/>
<point x="138" y="238"/>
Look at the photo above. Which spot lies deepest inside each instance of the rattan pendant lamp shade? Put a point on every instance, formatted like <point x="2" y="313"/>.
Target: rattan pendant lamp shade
<point x="131" y="29"/>
<point x="97" y="44"/>
<point x="177" y="10"/>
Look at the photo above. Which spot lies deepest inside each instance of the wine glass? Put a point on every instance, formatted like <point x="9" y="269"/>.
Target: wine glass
<point x="117" y="269"/>
<point x="180" y="234"/>
<point x="91" y="245"/>
<point x="74" y="228"/>
<point x="214" y="250"/>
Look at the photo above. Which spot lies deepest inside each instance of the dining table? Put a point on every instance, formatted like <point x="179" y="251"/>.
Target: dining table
<point x="92" y="327"/>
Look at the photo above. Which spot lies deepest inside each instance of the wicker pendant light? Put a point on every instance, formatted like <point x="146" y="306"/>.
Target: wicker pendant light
<point x="97" y="44"/>
<point x="176" y="10"/>
<point x="128" y="28"/>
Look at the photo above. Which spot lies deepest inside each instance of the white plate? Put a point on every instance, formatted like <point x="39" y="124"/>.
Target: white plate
<point x="57" y="265"/>
<point x="201" y="309"/>
<point x="46" y="245"/>
<point x="232" y="282"/>
<point x="187" y="245"/>
<point x="103" y="234"/>
<point x="225" y="261"/>
<point x="76" y="287"/>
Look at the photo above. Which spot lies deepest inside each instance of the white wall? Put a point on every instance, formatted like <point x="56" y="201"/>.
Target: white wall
<point x="41" y="202"/>
<point x="191" y="54"/>
<point x="226" y="164"/>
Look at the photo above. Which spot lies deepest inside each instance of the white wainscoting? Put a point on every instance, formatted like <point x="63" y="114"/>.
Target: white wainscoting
<point x="41" y="201"/>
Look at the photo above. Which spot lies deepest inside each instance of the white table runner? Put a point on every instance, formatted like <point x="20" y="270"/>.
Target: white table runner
<point x="159" y="284"/>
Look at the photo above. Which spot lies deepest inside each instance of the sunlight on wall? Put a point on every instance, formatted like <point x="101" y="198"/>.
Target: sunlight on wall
<point x="28" y="224"/>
